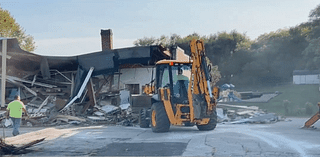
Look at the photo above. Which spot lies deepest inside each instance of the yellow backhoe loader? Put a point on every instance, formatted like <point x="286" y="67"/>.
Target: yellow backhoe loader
<point x="181" y="94"/>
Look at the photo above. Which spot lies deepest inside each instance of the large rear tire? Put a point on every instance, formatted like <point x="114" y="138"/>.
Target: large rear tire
<point x="211" y="124"/>
<point x="144" y="119"/>
<point x="159" y="118"/>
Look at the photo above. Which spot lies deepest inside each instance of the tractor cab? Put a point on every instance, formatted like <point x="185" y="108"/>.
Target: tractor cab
<point x="175" y="76"/>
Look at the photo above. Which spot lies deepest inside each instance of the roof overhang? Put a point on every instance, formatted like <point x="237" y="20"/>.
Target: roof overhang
<point x="174" y="61"/>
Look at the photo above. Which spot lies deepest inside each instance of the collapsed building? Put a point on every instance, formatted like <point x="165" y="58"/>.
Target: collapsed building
<point x="82" y="84"/>
<point x="103" y="86"/>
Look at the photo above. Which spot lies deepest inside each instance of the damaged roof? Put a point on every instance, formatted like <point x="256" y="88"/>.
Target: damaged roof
<point x="23" y="62"/>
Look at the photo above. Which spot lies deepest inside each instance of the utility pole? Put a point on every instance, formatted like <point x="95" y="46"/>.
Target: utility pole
<point x="4" y="70"/>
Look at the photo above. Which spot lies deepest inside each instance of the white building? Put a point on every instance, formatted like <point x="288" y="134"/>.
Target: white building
<point x="306" y="77"/>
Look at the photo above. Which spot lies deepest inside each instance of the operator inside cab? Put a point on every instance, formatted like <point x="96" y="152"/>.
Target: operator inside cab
<point x="181" y="86"/>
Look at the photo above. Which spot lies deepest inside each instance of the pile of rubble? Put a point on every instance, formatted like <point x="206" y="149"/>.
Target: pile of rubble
<point x="100" y="101"/>
<point x="102" y="113"/>
<point x="236" y="114"/>
<point x="46" y="103"/>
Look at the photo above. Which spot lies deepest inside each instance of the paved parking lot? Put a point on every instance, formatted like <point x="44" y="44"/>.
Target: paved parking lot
<point x="284" y="138"/>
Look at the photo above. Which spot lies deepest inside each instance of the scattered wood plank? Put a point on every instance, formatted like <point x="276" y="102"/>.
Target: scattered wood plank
<point x="238" y="106"/>
<point x="43" y="103"/>
<point x="249" y="112"/>
<point x="6" y="149"/>
<point x="71" y="118"/>
<point x="30" y="82"/>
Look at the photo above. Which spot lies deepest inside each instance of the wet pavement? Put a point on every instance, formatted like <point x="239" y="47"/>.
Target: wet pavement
<point x="283" y="138"/>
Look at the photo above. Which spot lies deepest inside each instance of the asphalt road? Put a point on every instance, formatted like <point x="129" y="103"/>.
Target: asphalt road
<point x="283" y="139"/>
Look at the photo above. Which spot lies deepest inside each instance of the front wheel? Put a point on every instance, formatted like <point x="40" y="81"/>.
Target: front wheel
<point x="159" y="118"/>
<point x="211" y="124"/>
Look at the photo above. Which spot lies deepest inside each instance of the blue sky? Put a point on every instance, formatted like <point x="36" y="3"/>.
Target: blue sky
<point x="72" y="27"/>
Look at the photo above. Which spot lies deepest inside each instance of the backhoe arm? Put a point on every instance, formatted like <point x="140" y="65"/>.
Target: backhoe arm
<point x="200" y="78"/>
<point x="313" y="119"/>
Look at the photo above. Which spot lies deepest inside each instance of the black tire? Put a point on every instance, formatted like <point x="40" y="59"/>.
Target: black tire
<point x="211" y="124"/>
<point x="159" y="118"/>
<point x="144" y="119"/>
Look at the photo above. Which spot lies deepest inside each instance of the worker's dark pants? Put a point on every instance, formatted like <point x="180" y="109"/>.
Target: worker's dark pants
<point x="16" y="125"/>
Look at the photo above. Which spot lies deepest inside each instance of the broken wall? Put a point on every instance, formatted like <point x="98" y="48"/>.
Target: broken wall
<point x="139" y="76"/>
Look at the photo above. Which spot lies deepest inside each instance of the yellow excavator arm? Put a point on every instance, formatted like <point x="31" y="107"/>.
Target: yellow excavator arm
<point x="313" y="119"/>
<point x="200" y="78"/>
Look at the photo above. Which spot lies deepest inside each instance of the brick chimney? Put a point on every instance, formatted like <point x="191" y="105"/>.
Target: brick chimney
<point x="106" y="39"/>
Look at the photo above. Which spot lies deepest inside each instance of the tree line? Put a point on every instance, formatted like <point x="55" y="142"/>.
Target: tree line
<point x="268" y="60"/>
<point x="10" y="28"/>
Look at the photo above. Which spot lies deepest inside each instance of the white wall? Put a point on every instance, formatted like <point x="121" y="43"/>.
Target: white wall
<point x="306" y="79"/>
<point x="296" y="79"/>
<point x="139" y="76"/>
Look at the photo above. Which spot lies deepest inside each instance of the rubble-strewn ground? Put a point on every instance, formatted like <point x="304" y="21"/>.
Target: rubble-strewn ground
<point x="284" y="138"/>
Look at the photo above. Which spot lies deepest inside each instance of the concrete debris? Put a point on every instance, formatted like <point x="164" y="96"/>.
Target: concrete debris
<point x="236" y="114"/>
<point x="46" y="101"/>
<point x="109" y="109"/>
<point x="259" y="118"/>
<point x="98" y="113"/>
<point x="95" y="118"/>
<point x="222" y="115"/>
<point x="124" y="106"/>
<point x="74" y="122"/>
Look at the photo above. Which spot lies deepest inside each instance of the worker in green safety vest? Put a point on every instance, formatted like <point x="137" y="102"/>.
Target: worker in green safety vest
<point x="15" y="109"/>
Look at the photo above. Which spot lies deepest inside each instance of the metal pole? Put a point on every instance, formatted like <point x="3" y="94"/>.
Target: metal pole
<point x="3" y="75"/>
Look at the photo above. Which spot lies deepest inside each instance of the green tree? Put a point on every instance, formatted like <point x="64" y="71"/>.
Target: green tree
<point x="222" y="49"/>
<point x="219" y="47"/>
<point x="312" y="54"/>
<point x="315" y="14"/>
<point x="145" y="41"/>
<point x="276" y="55"/>
<point x="10" y="28"/>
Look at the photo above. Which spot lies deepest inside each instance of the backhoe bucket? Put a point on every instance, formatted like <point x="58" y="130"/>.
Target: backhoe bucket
<point x="313" y="119"/>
